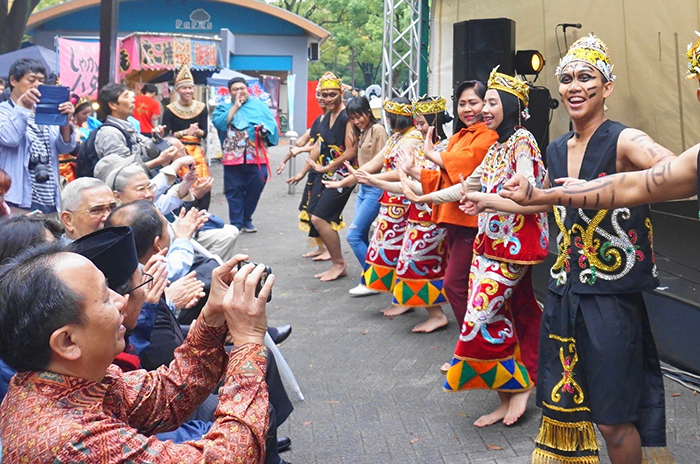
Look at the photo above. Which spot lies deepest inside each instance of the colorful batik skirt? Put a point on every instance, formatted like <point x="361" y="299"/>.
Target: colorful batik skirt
<point x="420" y="271"/>
<point x="497" y="346"/>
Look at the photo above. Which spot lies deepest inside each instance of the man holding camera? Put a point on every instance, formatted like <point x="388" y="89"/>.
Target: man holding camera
<point x="90" y="411"/>
<point x="250" y="127"/>
<point x="29" y="151"/>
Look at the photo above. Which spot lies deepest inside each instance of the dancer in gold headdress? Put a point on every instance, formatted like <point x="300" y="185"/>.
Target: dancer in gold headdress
<point x="187" y="119"/>
<point x="598" y="362"/>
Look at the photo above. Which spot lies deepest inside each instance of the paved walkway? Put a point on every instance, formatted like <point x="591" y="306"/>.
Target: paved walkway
<point x="373" y="388"/>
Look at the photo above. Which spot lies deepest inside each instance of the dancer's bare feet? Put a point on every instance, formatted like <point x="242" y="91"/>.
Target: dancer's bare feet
<point x="325" y="256"/>
<point x="497" y="415"/>
<point x="317" y="252"/>
<point x="392" y="311"/>
<point x="516" y="408"/>
<point x="336" y="271"/>
<point x="431" y="324"/>
<point x="445" y="367"/>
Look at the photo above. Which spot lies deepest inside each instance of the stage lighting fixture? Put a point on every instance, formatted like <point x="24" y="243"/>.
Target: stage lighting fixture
<point x="528" y="62"/>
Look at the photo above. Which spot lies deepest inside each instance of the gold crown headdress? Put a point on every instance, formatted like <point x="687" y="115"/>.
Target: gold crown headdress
<point x="694" y="59"/>
<point x="433" y="105"/>
<point x="590" y="50"/>
<point x="184" y="77"/>
<point x="513" y="85"/>
<point x="401" y="109"/>
<point x="329" y="82"/>
<point x="81" y="102"/>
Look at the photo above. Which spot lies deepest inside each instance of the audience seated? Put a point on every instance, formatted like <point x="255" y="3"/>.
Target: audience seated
<point x="86" y="202"/>
<point x="61" y="334"/>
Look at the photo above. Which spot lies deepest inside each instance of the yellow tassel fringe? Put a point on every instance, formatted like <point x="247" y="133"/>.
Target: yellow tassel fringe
<point x="657" y="456"/>
<point x="337" y="226"/>
<point x="540" y="456"/>
<point x="565" y="436"/>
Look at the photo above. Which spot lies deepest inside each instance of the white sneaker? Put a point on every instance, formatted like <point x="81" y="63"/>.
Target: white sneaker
<point x="361" y="290"/>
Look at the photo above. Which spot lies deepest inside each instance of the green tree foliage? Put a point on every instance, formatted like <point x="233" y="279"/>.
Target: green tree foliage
<point x="13" y="20"/>
<point x="355" y="46"/>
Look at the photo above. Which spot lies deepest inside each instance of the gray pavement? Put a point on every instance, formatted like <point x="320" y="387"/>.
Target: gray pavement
<point x="373" y="388"/>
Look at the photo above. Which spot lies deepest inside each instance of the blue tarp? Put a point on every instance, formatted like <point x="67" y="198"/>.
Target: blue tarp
<point x="37" y="52"/>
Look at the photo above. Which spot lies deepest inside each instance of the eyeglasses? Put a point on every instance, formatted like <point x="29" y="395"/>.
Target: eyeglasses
<point x="142" y="188"/>
<point x="147" y="280"/>
<point x="99" y="210"/>
<point x="238" y="89"/>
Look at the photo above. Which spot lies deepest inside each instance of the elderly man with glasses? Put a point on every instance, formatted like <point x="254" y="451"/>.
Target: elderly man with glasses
<point x="85" y="203"/>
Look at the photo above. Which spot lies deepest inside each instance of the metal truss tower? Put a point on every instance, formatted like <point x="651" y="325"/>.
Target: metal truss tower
<point x="405" y="48"/>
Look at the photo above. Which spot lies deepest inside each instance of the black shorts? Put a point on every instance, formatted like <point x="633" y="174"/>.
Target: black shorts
<point x="328" y="204"/>
<point x="618" y="359"/>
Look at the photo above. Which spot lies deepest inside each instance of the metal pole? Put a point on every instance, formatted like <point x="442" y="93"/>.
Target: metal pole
<point x="109" y="19"/>
<point x="291" y="188"/>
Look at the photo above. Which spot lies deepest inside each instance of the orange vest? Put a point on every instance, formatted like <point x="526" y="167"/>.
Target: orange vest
<point x="464" y="153"/>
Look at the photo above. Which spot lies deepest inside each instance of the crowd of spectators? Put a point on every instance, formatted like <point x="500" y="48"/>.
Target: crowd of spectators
<point x="127" y="320"/>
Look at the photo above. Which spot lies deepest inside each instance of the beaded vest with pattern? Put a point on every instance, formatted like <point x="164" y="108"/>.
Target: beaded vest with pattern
<point x="600" y="251"/>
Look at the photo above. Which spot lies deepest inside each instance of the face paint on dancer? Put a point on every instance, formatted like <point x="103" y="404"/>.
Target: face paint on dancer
<point x="583" y="89"/>
<point x="331" y="99"/>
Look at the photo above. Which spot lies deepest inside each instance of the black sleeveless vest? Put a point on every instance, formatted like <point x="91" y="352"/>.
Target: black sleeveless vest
<point x="600" y="251"/>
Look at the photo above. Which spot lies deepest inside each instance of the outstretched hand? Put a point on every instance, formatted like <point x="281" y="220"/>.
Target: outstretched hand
<point x="428" y="144"/>
<point x="406" y="187"/>
<point x="295" y="180"/>
<point x="315" y="166"/>
<point x="362" y="177"/>
<point x="405" y="162"/>
<point x="519" y="190"/>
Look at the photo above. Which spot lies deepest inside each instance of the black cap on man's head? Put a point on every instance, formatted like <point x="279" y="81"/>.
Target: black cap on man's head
<point x="113" y="251"/>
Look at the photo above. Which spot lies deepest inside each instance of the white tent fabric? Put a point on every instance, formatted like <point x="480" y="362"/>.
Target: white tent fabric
<point x="222" y="77"/>
<point x="647" y="40"/>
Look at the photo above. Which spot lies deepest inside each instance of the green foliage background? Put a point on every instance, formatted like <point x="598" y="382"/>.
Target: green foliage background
<point x="356" y="28"/>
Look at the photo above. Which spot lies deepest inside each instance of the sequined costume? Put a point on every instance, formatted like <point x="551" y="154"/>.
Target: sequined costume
<point x="420" y="271"/>
<point x="598" y="360"/>
<point x="406" y="255"/>
<point x="52" y="418"/>
<point x="391" y="223"/>
<point x="304" y="219"/>
<point x="497" y="347"/>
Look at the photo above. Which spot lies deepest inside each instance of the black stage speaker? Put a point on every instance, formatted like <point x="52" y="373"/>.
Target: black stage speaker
<point x="538" y="124"/>
<point x="479" y="46"/>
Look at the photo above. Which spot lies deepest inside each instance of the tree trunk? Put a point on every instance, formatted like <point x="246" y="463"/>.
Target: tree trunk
<point x="12" y="24"/>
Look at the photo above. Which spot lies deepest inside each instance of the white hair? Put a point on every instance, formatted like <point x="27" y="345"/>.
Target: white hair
<point x="123" y="175"/>
<point x="71" y="196"/>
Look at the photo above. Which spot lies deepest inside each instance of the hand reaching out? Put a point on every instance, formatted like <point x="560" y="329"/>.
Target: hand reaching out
<point x="519" y="190"/>
<point x="185" y="292"/>
<point x="295" y="180"/>
<point x="188" y="223"/>
<point x="156" y="267"/>
<point x="316" y="167"/>
<point x="202" y="186"/>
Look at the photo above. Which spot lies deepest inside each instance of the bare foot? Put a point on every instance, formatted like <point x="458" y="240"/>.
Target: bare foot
<point x="516" y="408"/>
<point x="433" y="323"/>
<point x="321" y="274"/>
<point x="313" y="254"/>
<point x="325" y="256"/>
<point x="392" y="311"/>
<point x="497" y="415"/>
<point x="445" y="367"/>
<point x="336" y="271"/>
